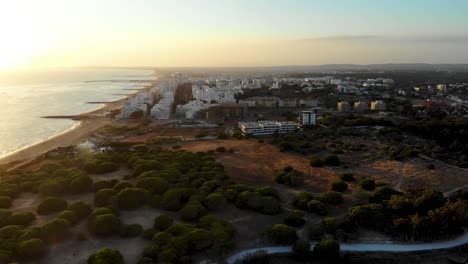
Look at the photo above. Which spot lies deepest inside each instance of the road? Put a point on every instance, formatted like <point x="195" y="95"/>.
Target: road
<point x="383" y="247"/>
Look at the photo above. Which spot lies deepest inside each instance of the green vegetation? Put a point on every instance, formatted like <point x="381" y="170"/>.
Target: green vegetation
<point x="339" y="186"/>
<point x="294" y="218"/>
<point x="50" y="205"/>
<point x="289" y="176"/>
<point x="280" y="234"/>
<point x="106" y="256"/>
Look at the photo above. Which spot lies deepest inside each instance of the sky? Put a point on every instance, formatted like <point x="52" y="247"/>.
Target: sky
<point x="192" y="33"/>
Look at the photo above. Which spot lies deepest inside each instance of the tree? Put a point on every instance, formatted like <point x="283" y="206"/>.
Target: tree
<point x="132" y="198"/>
<point x="327" y="249"/>
<point x="347" y="176"/>
<point x="301" y="249"/>
<point x="106" y="256"/>
<point x="50" y="205"/>
<point x="153" y="185"/>
<point x="332" y="198"/>
<point x="192" y="211"/>
<point x="280" y="234"/>
<point x="367" y="184"/>
<point x="32" y="248"/>
<point x="106" y="224"/>
<point x="294" y="218"/>
<point x="301" y="199"/>
<point x="214" y="201"/>
<point x="383" y="193"/>
<point x="331" y="160"/>
<point x="339" y="186"/>
<point x="329" y="225"/>
<point x="5" y="202"/>
<point x="315" y="206"/>
<point x="105" y="197"/>
<point x="163" y="222"/>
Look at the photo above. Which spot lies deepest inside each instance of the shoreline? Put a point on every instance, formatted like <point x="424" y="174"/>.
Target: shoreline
<point x="87" y="123"/>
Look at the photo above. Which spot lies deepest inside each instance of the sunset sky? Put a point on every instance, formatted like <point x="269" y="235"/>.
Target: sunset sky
<point x="68" y="33"/>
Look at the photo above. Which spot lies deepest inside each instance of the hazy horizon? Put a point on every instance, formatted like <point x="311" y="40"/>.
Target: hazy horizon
<point x="231" y="33"/>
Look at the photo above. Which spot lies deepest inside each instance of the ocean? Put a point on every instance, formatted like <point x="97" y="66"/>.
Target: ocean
<point x="25" y="97"/>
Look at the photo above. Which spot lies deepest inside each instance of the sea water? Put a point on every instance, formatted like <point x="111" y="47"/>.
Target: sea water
<point x="25" y="97"/>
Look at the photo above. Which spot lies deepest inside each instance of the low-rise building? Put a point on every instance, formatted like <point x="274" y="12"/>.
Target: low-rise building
<point x="260" y="128"/>
<point x="360" y="106"/>
<point x="378" y="105"/>
<point x="343" y="106"/>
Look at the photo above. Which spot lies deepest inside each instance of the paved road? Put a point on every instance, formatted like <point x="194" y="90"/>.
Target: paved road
<point x="384" y="247"/>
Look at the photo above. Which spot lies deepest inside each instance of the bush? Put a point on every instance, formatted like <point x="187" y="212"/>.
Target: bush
<point x="301" y="249"/>
<point x="106" y="256"/>
<point x="221" y="149"/>
<point x="339" y="186"/>
<point x="50" y="205"/>
<point x="329" y="225"/>
<point x="53" y="187"/>
<point x="331" y="160"/>
<point x="69" y="216"/>
<point x="106" y="224"/>
<point x="5" y="202"/>
<point x="122" y="185"/>
<point x="132" y="230"/>
<point x="153" y="185"/>
<point x="332" y="198"/>
<point x="347" y="176"/>
<point x="289" y="176"/>
<point x="149" y="233"/>
<point x="214" y="201"/>
<point x="80" y="209"/>
<point x="55" y="230"/>
<point x="192" y="211"/>
<point x="316" y="162"/>
<point x="32" y="248"/>
<point x="105" y="197"/>
<point x="367" y="184"/>
<point x="327" y="249"/>
<point x="163" y="222"/>
<point x="269" y="205"/>
<point x="316" y="233"/>
<point x="430" y="166"/>
<point x="81" y="184"/>
<point x="132" y="198"/>
<point x="302" y="199"/>
<point x="99" y="185"/>
<point x="317" y="207"/>
<point x="23" y="219"/>
<point x="162" y="238"/>
<point x="281" y="234"/>
<point x="11" y="231"/>
<point x="294" y="218"/>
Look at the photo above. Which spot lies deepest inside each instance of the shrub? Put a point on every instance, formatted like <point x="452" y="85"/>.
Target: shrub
<point x="315" y="206"/>
<point x="104" y="184"/>
<point x="329" y="225"/>
<point x="53" y="187"/>
<point x="327" y="249"/>
<point x="105" y="197"/>
<point x="347" y="176"/>
<point x="11" y="231"/>
<point x="367" y="184"/>
<point x="132" y="230"/>
<point x="106" y="256"/>
<point x="122" y="185"/>
<point x="294" y="218"/>
<point x="50" y="205"/>
<point x="316" y="233"/>
<point x="221" y="149"/>
<point x="23" y="219"/>
<point x="316" y="162"/>
<point x="339" y="186"/>
<point x="332" y="198"/>
<point x="214" y="201"/>
<point x="269" y="205"/>
<point x="55" y="230"/>
<point x="331" y="160"/>
<point x="289" y="176"/>
<point x="81" y="184"/>
<point x="280" y="234"/>
<point x="153" y="185"/>
<point x="268" y="191"/>
<point x="301" y="249"/>
<point x="80" y="209"/>
<point x="132" y="198"/>
<point x="69" y="216"/>
<point x="149" y="233"/>
<point x="302" y="199"/>
<point x="106" y="224"/>
<point x="383" y="193"/>
<point x="163" y="222"/>
<point x="162" y="238"/>
<point x="192" y="211"/>
<point x="5" y="202"/>
<point x="430" y="166"/>
<point x="32" y="248"/>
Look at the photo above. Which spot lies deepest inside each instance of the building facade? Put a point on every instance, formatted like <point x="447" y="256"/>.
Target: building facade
<point x="261" y="128"/>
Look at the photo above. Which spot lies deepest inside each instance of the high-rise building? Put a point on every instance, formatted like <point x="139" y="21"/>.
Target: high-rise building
<point x="308" y="117"/>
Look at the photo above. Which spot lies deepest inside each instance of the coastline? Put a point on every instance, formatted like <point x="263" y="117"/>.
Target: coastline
<point x="88" y="122"/>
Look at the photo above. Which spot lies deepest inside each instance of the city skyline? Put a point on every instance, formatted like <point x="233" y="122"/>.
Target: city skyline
<point x="230" y="33"/>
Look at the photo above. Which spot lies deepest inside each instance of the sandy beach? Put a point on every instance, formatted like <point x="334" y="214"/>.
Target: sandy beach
<point x="89" y="122"/>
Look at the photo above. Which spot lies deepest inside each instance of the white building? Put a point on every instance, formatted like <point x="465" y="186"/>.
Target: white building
<point x="442" y="87"/>
<point x="267" y="127"/>
<point x="308" y="117"/>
